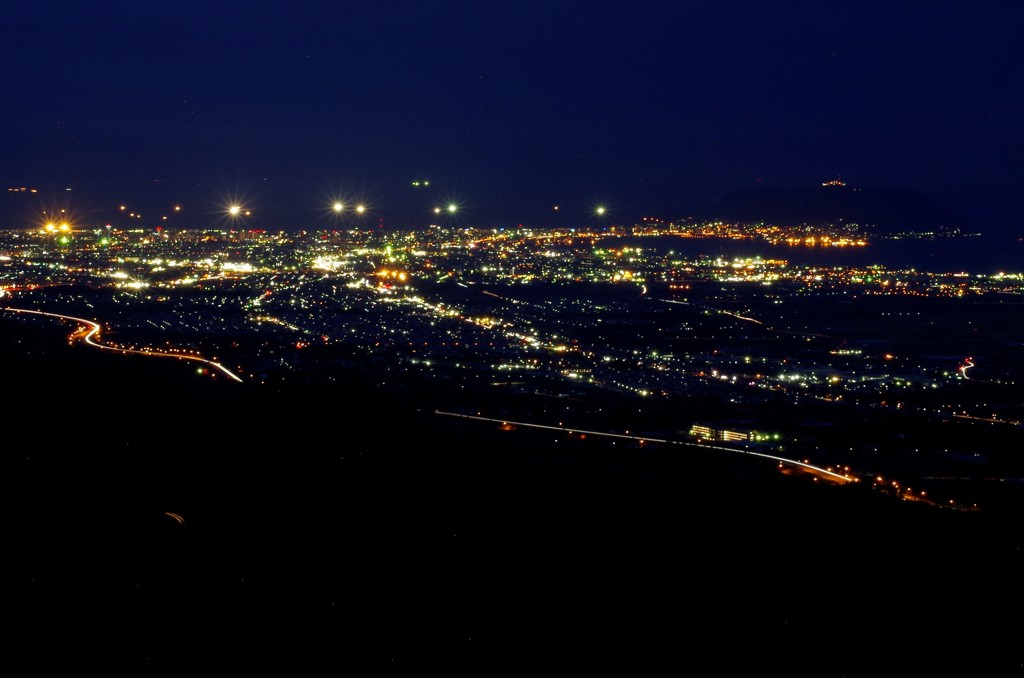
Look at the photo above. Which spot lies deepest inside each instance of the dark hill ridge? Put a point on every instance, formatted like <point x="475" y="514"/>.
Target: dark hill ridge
<point x="295" y="527"/>
<point x="882" y="210"/>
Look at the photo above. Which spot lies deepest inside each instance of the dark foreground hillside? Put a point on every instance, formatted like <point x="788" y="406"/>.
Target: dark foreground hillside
<point x="156" y="519"/>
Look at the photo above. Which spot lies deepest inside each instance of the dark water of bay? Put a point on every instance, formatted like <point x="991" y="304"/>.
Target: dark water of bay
<point x="976" y="254"/>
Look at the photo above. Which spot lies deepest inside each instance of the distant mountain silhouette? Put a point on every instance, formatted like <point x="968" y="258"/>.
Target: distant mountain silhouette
<point x="880" y="210"/>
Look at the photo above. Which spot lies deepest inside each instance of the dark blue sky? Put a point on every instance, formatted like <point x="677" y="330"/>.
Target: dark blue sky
<point x="507" y="108"/>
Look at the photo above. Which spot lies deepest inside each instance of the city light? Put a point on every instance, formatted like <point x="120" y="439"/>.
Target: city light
<point x="538" y="301"/>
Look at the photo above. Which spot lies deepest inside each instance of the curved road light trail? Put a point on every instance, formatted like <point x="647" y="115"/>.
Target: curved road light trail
<point x="568" y="429"/>
<point x="89" y="338"/>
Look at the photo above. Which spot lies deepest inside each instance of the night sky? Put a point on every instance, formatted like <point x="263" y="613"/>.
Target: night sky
<point x="507" y="109"/>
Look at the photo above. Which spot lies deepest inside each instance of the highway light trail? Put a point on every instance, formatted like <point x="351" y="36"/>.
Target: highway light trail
<point x="648" y="439"/>
<point x="90" y="337"/>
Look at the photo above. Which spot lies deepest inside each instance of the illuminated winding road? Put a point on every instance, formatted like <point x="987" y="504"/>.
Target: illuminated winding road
<point x="91" y="332"/>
